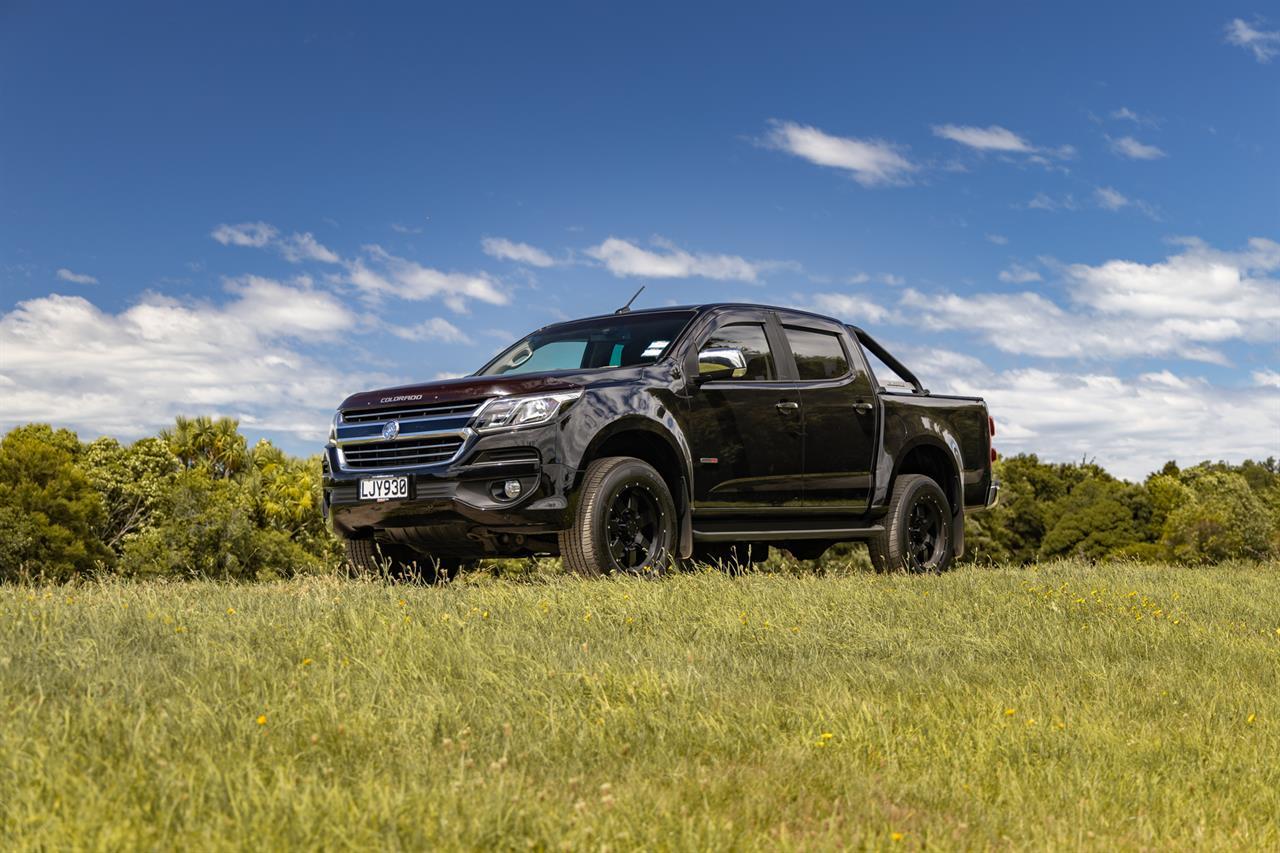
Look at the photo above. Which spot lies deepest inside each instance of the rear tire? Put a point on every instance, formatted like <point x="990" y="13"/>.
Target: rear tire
<point x="918" y="534"/>
<point x="367" y="558"/>
<point x="624" y="521"/>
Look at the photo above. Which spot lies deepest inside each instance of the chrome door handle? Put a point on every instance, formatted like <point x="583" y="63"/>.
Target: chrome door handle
<point x="862" y="407"/>
<point x="786" y="407"/>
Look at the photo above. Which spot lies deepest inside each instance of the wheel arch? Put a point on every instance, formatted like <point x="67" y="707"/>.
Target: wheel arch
<point x="929" y="456"/>
<point x="651" y="442"/>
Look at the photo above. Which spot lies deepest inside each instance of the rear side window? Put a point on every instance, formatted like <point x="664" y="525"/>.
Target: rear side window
<point x="741" y="346"/>
<point x="819" y="355"/>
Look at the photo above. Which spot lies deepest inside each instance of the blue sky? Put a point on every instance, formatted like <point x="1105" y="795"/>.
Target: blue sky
<point x="251" y="211"/>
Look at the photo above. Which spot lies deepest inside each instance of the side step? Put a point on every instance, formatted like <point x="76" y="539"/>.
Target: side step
<point x="781" y="530"/>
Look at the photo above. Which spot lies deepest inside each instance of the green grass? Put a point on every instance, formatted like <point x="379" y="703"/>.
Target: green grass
<point x="1066" y="706"/>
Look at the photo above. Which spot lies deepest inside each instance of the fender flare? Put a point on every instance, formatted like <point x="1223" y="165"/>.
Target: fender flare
<point x="667" y="431"/>
<point x="954" y="490"/>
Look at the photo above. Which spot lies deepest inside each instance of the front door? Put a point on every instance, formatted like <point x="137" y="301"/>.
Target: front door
<point x="744" y="430"/>
<point x="839" y="417"/>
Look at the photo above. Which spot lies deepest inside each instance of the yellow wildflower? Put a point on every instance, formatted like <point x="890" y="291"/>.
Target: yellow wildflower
<point x="1009" y="712"/>
<point x="231" y="611"/>
<point x="896" y="836"/>
<point x="262" y="719"/>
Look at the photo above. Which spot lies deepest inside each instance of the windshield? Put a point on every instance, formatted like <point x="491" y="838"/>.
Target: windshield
<point x="624" y="340"/>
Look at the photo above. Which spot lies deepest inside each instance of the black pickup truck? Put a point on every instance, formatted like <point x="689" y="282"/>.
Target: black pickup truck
<point x="634" y="441"/>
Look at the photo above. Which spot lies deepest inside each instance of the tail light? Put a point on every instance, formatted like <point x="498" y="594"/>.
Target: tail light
<point x="991" y="428"/>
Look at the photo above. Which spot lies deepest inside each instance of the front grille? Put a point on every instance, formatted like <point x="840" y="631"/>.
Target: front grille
<point x="406" y="413"/>
<point x="393" y="454"/>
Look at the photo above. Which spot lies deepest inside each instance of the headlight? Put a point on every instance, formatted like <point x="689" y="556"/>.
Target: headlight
<point x="515" y="412"/>
<point x="333" y="427"/>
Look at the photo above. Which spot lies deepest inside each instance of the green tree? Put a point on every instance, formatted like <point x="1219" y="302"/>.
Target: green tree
<point x="1214" y="516"/>
<point x="49" y="511"/>
<point x="132" y="481"/>
<point x="208" y="528"/>
<point x="214" y="446"/>
<point x="1095" y="520"/>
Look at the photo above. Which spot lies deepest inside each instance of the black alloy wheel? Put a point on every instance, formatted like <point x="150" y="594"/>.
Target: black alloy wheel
<point x="918" y="535"/>
<point x="624" y="521"/>
<point x="924" y="534"/>
<point x="632" y="526"/>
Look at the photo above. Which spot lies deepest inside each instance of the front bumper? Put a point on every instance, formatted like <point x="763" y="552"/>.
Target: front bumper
<point x="453" y="507"/>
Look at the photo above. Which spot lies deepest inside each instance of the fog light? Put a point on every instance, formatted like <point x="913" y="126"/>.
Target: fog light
<point x="511" y="489"/>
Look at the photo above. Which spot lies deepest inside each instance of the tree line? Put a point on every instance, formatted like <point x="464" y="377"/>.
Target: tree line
<point x="197" y="501"/>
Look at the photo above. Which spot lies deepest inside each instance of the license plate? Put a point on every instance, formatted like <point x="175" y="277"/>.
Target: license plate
<point x="384" y="488"/>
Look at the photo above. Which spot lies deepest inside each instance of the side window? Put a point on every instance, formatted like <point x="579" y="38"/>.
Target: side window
<point x="742" y="347"/>
<point x="819" y="355"/>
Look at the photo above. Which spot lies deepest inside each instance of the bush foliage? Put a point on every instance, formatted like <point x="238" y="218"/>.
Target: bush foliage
<point x="197" y="501"/>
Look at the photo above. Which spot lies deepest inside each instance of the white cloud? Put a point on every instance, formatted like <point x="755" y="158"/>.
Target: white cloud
<point x="871" y="162"/>
<point x="1266" y="378"/>
<point x="129" y="373"/>
<point x="1127" y="146"/>
<point x="1131" y="426"/>
<point x="1110" y="198"/>
<point x="1179" y="307"/>
<point x="296" y="248"/>
<point x="624" y="258"/>
<point x="381" y="274"/>
<point x="400" y="228"/>
<point x="850" y="308"/>
<point x="1043" y="201"/>
<point x="1199" y="284"/>
<point x="378" y="274"/>
<point x="255" y="234"/>
<point x="1000" y="140"/>
<point x="998" y="239"/>
<point x="304" y="247"/>
<point x="434" y="329"/>
<point x="993" y="138"/>
<point x="858" y="278"/>
<point x="1264" y="44"/>
<point x="522" y="253"/>
<point x="75" y="277"/>
<point x="1018" y="274"/>
<point x="1126" y="114"/>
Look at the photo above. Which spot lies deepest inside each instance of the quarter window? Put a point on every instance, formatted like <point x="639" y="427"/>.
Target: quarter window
<point x="819" y="355"/>
<point x="744" y="347"/>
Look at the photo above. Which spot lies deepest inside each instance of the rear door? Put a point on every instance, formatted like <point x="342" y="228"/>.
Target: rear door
<point x="839" y="414"/>
<point x="744" y="430"/>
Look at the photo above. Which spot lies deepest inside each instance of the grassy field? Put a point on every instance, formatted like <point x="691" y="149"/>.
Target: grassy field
<point x="1065" y="706"/>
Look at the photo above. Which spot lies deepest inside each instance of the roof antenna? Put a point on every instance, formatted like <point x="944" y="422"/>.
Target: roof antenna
<point x="626" y="309"/>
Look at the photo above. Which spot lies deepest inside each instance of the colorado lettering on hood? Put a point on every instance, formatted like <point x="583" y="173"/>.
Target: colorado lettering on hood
<point x="636" y="441"/>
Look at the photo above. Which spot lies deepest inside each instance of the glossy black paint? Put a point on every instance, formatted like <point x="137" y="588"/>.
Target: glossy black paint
<point x="820" y="465"/>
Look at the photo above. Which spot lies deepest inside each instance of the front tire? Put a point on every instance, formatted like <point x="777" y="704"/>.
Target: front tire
<point x="918" y="534"/>
<point x="624" y="521"/>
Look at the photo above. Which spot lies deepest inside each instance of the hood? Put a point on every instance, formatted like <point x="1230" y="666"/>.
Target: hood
<point x="461" y="389"/>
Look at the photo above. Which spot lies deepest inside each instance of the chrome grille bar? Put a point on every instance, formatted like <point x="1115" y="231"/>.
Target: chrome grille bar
<point x="357" y="416"/>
